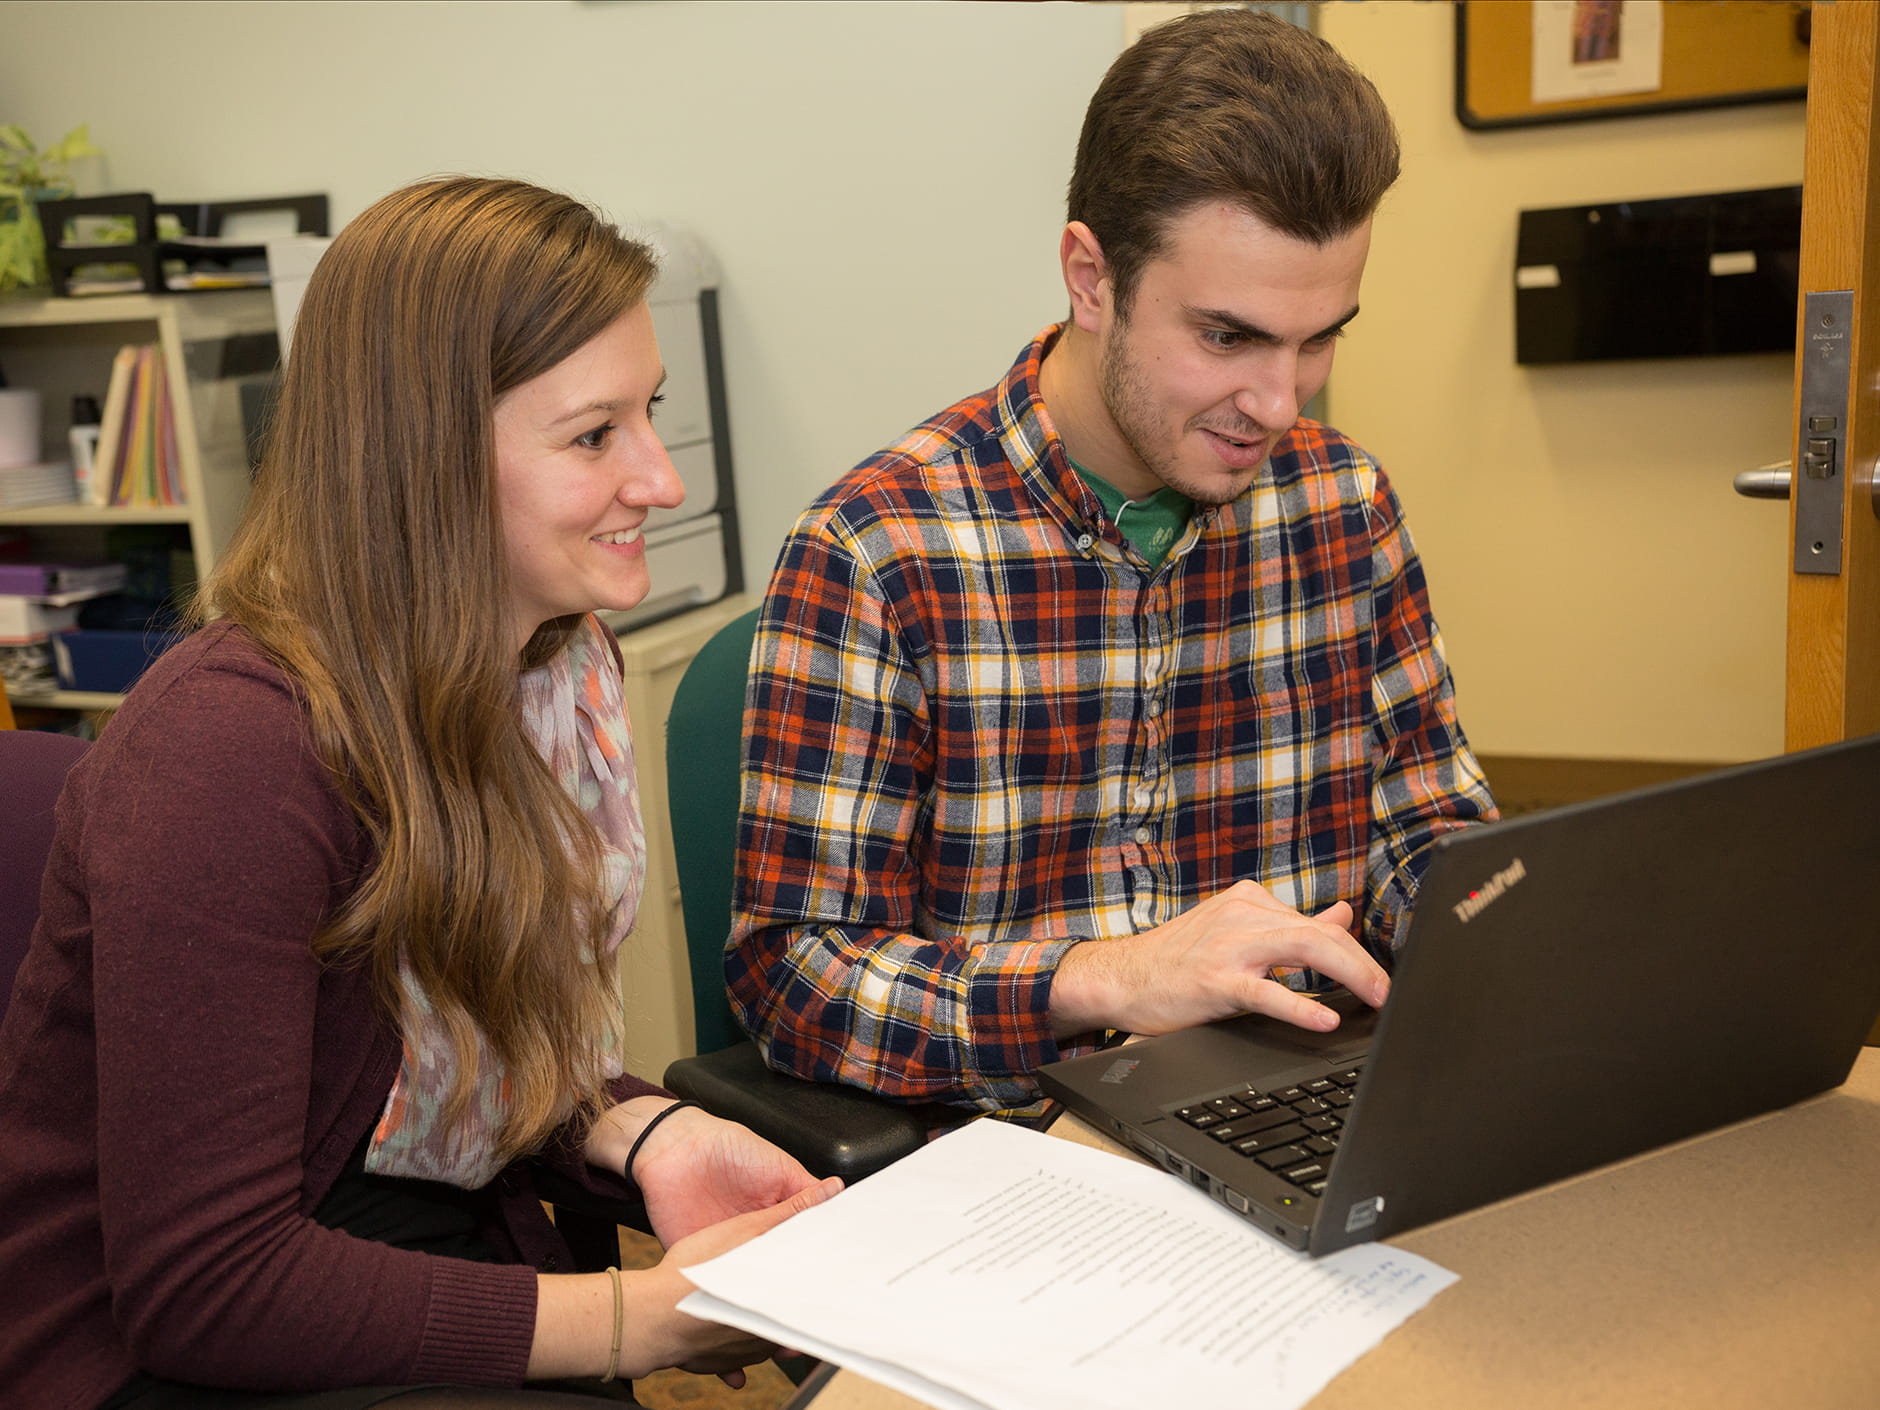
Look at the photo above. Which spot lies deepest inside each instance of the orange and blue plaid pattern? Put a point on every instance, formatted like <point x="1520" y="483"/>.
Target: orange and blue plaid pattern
<point x="979" y="729"/>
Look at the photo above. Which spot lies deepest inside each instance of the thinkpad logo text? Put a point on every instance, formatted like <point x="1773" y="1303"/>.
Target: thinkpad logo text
<point x="1486" y="895"/>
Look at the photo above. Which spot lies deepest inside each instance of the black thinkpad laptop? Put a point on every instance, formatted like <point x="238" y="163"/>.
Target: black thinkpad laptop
<point x="1576" y="986"/>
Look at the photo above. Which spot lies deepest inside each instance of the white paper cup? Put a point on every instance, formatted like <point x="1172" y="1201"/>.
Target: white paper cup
<point x="19" y="427"/>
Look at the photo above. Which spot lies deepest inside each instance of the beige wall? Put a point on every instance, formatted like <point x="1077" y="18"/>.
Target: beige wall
<point x="883" y="183"/>
<point x="1602" y="591"/>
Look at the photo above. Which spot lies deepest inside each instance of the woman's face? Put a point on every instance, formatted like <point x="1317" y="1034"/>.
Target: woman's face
<point x="578" y="467"/>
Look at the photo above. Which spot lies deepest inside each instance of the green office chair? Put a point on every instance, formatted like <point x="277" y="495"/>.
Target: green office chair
<point x="833" y="1130"/>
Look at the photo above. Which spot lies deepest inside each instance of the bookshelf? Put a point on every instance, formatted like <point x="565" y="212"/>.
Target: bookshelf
<point x="213" y="344"/>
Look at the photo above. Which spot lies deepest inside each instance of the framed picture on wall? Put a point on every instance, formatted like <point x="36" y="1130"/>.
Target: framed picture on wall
<point x="1520" y="63"/>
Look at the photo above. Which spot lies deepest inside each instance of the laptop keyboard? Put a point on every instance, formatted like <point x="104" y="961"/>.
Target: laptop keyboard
<point x="1292" y="1131"/>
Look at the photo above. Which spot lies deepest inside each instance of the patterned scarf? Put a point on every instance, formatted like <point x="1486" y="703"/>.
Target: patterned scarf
<point x="573" y="711"/>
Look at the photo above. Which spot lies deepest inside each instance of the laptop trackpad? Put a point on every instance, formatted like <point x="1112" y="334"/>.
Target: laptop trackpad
<point x="1357" y="1026"/>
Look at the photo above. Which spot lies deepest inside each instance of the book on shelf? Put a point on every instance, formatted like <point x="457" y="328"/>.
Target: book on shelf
<point x="97" y="487"/>
<point x="134" y="453"/>
<point x="24" y="622"/>
<point x="139" y="462"/>
<point x="169" y="473"/>
<point x="132" y="435"/>
<point x="60" y="584"/>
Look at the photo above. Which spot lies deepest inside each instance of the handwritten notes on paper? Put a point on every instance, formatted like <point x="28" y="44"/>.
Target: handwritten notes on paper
<point x="1002" y="1269"/>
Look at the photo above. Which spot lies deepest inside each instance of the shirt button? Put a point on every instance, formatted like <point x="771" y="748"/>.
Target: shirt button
<point x="550" y="1263"/>
<point x="1083" y="543"/>
<point x="1155" y="708"/>
<point x="1142" y="836"/>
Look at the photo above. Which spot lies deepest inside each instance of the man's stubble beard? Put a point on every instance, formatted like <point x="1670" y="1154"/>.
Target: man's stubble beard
<point x="1131" y="404"/>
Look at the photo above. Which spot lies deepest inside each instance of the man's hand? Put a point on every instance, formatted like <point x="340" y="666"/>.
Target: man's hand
<point x="1211" y="962"/>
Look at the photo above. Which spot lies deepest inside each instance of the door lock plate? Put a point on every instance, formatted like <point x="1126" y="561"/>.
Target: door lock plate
<point x="1826" y="350"/>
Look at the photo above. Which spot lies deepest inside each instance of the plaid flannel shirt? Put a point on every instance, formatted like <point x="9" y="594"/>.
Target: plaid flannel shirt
<point x="979" y="729"/>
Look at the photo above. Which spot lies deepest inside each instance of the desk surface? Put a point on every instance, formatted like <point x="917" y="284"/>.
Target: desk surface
<point x="1740" y="1268"/>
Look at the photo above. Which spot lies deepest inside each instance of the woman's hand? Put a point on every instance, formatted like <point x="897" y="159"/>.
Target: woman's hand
<point x="706" y="1348"/>
<point x="575" y="1326"/>
<point x="695" y="1171"/>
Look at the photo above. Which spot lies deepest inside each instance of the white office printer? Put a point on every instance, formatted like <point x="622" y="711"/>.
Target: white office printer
<point x="692" y="552"/>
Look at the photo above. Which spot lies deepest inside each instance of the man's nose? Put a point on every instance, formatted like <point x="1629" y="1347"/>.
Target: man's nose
<point x="1270" y="396"/>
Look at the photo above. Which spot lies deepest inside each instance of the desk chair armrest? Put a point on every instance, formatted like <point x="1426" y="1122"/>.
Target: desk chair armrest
<point x="833" y="1130"/>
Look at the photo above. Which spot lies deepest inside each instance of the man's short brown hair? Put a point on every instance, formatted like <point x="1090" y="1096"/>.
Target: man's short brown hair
<point x="1231" y="105"/>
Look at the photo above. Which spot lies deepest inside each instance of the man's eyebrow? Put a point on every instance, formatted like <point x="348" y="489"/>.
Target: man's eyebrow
<point x="1253" y="333"/>
<point x="607" y="404"/>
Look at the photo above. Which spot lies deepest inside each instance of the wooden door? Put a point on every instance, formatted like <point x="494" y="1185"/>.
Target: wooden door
<point x="1833" y="674"/>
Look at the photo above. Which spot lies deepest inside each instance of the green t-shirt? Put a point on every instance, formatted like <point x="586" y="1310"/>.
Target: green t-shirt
<point x="1151" y="525"/>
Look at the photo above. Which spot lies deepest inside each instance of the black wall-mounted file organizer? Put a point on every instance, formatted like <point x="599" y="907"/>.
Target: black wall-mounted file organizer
<point x="1688" y="276"/>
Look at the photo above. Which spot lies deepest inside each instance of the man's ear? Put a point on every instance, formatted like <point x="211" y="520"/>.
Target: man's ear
<point x="1086" y="276"/>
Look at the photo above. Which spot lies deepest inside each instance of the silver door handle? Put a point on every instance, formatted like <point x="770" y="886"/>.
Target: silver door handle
<point x="1765" y="481"/>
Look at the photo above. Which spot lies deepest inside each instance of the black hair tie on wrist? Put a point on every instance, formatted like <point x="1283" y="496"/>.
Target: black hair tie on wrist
<point x="648" y="1129"/>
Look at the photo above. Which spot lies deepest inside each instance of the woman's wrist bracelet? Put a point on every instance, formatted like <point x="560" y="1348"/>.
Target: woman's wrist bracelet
<point x="647" y="1130"/>
<point x="613" y="1357"/>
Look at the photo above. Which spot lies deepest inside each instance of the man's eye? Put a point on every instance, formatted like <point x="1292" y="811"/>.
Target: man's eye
<point x="595" y="439"/>
<point x="1222" y="338"/>
<point x="653" y="404"/>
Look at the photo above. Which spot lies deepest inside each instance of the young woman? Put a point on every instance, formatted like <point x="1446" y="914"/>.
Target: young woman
<point x="324" y="973"/>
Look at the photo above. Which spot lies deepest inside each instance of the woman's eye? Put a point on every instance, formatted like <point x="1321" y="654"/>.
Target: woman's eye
<point x="595" y="439"/>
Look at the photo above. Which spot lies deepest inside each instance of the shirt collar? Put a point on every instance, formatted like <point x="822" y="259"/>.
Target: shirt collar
<point x="1032" y="447"/>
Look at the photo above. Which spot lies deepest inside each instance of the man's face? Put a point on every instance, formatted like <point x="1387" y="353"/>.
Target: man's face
<point x="1229" y="333"/>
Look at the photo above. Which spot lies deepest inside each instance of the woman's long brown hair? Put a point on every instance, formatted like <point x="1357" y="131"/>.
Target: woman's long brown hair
<point x="370" y="564"/>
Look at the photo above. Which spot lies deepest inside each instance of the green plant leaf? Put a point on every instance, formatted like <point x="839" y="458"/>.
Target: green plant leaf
<point x="15" y="269"/>
<point x="27" y="174"/>
<point x="75" y="144"/>
<point x="22" y="251"/>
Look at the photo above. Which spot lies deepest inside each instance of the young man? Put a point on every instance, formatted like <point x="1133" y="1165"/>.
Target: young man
<point x="1109" y="698"/>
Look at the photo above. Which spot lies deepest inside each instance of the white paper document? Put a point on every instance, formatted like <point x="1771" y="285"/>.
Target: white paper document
<point x="1002" y="1269"/>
